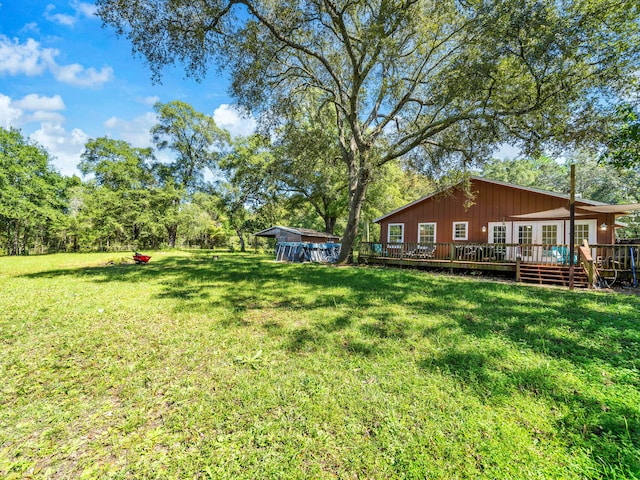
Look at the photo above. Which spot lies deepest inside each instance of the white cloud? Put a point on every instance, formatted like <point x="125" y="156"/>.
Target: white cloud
<point x="81" y="9"/>
<point x="31" y="108"/>
<point x="30" y="27"/>
<point x="507" y="151"/>
<point x="31" y="59"/>
<point x="84" y="9"/>
<point x="65" y="147"/>
<point x="37" y="102"/>
<point x="59" y="18"/>
<point x="27" y="58"/>
<point x="79" y="76"/>
<point x="148" y="100"/>
<point x="137" y="131"/>
<point x="234" y="121"/>
<point x="9" y="115"/>
<point x="44" y="116"/>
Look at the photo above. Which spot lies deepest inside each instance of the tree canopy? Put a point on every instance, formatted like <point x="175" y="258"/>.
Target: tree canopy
<point x="119" y="196"/>
<point x="623" y="145"/>
<point x="193" y="137"/>
<point x="453" y="78"/>
<point x="31" y="193"/>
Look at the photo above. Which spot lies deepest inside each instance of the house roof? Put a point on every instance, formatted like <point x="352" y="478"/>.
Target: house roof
<point x="272" y="232"/>
<point x="581" y="211"/>
<point x="495" y="182"/>
<point x="561" y="212"/>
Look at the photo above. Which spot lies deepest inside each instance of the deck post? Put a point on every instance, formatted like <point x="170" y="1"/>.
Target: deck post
<point x="518" y="260"/>
<point x="586" y="258"/>
<point x="590" y="273"/>
<point x="572" y="224"/>
<point x="452" y="255"/>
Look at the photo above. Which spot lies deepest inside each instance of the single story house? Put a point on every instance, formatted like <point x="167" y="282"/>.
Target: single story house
<point x="493" y="225"/>
<point x="498" y="212"/>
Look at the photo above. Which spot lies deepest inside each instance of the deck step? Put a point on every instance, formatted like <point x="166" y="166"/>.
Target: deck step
<point x="553" y="275"/>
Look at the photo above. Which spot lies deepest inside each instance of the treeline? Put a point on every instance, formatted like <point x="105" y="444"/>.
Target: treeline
<point x="217" y="190"/>
<point x="214" y="192"/>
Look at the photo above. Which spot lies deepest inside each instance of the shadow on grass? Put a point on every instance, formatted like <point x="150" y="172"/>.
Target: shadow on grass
<point x="479" y="324"/>
<point x="553" y="322"/>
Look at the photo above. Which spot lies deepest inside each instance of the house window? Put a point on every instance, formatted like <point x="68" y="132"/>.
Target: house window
<point x="426" y="233"/>
<point x="525" y="238"/>
<point x="581" y="232"/>
<point x="549" y="234"/>
<point x="499" y="234"/>
<point x="396" y="233"/>
<point x="460" y="230"/>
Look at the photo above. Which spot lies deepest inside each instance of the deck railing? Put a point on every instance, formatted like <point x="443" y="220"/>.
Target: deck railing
<point x="623" y="257"/>
<point x="612" y="263"/>
<point x="619" y="256"/>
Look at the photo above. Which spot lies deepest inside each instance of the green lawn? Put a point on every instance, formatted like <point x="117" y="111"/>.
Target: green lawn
<point x="240" y="367"/>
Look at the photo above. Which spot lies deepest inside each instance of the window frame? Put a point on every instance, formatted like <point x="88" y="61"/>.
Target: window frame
<point x="401" y="225"/>
<point x="435" y="230"/>
<point x="581" y="226"/>
<point x="593" y="230"/>
<point x="466" y="231"/>
<point x="492" y="233"/>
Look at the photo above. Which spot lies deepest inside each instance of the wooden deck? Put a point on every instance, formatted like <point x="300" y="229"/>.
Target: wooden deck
<point x="545" y="264"/>
<point x="437" y="263"/>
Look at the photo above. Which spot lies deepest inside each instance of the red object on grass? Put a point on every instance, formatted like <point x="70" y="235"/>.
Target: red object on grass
<point x="139" y="258"/>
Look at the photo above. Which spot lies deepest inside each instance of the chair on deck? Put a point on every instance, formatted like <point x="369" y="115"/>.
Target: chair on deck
<point x="494" y="254"/>
<point x="424" y="251"/>
<point x="561" y="254"/>
<point x="469" y="252"/>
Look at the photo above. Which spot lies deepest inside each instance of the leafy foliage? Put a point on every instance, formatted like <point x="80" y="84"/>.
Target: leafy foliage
<point x="121" y="197"/>
<point x="198" y="144"/>
<point x="623" y="146"/>
<point x="250" y="182"/>
<point x="308" y="165"/>
<point x="453" y="79"/>
<point x="32" y="200"/>
<point x="195" y="139"/>
<point x="594" y="180"/>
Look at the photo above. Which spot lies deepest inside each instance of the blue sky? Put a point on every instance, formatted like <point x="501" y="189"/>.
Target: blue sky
<point x="65" y="79"/>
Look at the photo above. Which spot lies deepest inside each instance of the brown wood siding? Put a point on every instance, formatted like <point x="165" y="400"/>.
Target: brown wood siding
<point x="310" y="239"/>
<point x="492" y="203"/>
<point x="285" y="236"/>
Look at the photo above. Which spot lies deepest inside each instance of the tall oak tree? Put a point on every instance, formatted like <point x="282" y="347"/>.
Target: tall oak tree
<point x="454" y="78"/>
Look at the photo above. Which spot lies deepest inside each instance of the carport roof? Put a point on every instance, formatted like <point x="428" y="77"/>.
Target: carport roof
<point x="307" y="232"/>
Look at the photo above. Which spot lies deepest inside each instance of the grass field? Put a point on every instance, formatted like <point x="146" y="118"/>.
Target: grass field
<point x="238" y="367"/>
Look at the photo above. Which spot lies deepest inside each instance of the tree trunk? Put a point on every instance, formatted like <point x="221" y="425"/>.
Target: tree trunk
<point x="172" y="230"/>
<point x="329" y="224"/>
<point x="358" y="184"/>
<point x="351" y="230"/>
<point x="24" y="247"/>
<point x="16" y="239"/>
<point x="8" y="236"/>
<point x="241" y="238"/>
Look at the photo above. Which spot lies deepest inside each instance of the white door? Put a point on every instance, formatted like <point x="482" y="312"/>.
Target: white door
<point x="584" y="230"/>
<point x="537" y="237"/>
<point x="500" y="233"/>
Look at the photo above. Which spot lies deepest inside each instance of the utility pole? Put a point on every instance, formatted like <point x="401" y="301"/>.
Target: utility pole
<point x="572" y="221"/>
